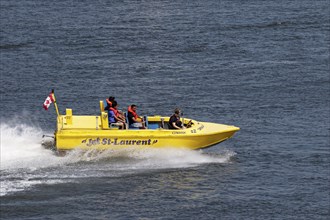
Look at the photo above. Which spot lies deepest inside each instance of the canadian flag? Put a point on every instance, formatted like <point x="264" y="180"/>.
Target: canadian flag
<point x="49" y="100"/>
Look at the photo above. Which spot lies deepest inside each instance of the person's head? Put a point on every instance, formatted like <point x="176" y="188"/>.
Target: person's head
<point x="111" y="98"/>
<point x="114" y="104"/>
<point x="177" y="111"/>
<point x="133" y="107"/>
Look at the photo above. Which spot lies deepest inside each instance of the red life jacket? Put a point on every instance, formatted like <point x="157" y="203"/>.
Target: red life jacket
<point x="114" y="111"/>
<point x="133" y="112"/>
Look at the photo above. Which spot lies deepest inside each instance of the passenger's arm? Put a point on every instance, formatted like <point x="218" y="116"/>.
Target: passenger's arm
<point x="138" y="120"/>
<point x="119" y="119"/>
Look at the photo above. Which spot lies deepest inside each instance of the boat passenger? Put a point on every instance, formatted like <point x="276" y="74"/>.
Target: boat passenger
<point x="115" y="117"/>
<point x="134" y="120"/>
<point x="175" y="122"/>
<point x="109" y="102"/>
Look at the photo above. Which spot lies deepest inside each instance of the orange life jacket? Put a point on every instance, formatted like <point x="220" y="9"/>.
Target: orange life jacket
<point x="133" y="112"/>
<point x="109" y="102"/>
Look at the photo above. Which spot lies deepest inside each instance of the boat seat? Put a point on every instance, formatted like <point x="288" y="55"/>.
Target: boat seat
<point x="145" y="119"/>
<point x="105" y="104"/>
<point x="162" y="125"/>
<point x="104" y="117"/>
<point x="126" y="120"/>
<point x="101" y="106"/>
<point x="166" y="126"/>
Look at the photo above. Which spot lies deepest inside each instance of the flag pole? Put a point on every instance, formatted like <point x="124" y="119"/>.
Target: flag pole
<point x="55" y="103"/>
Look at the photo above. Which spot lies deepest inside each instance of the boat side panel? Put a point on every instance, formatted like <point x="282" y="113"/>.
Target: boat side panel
<point x="66" y="140"/>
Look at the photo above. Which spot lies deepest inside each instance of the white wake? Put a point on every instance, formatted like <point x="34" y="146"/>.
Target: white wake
<point x="25" y="163"/>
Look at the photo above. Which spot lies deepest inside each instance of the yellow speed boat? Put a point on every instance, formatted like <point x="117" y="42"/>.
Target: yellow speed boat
<point x="93" y="132"/>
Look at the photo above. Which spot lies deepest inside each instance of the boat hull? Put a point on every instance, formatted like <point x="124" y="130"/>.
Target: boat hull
<point x="202" y="135"/>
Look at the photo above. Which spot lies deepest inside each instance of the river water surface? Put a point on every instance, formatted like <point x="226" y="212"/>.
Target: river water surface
<point x="260" y="65"/>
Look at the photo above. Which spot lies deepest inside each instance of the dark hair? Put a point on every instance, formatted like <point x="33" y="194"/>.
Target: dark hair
<point x="114" y="104"/>
<point x="132" y="106"/>
<point x="177" y="111"/>
<point x="111" y="98"/>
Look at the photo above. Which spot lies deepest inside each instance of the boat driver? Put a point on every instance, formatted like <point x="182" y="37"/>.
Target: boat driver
<point x="175" y="122"/>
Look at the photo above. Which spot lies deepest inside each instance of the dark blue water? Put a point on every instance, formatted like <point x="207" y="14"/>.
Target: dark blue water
<point x="259" y="65"/>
